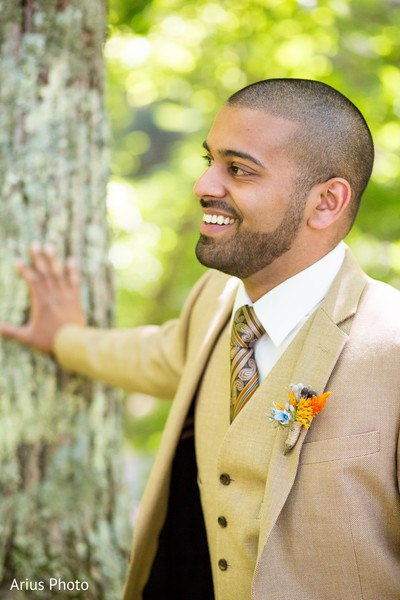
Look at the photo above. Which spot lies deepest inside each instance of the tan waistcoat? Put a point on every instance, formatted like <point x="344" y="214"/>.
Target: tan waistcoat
<point x="242" y="451"/>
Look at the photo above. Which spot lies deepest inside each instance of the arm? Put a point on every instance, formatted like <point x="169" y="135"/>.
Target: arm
<point x="146" y="359"/>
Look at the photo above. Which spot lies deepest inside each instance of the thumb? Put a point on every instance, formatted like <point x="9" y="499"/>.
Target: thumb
<point x="14" y="332"/>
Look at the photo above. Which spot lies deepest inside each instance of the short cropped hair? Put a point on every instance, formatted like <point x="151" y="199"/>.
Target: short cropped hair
<point x="333" y="139"/>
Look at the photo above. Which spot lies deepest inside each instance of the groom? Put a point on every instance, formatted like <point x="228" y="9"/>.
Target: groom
<point x="226" y="514"/>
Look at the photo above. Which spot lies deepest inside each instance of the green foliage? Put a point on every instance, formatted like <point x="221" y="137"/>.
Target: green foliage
<point x="172" y="63"/>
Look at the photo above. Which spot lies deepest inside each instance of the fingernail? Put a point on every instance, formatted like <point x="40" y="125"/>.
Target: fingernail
<point x="49" y="249"/>
<point x="71" y="261"/>
<point x="35" y="247"/>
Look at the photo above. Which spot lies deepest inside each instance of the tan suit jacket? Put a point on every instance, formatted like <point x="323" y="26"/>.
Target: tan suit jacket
<point x="330" y="515"/>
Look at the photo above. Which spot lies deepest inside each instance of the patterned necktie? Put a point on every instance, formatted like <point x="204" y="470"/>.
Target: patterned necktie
<point x="246" y="330"/>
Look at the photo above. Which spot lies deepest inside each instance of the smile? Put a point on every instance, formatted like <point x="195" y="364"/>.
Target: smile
<point x="218" y="219"/>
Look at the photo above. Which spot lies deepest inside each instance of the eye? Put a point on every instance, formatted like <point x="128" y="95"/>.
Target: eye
<point x="235" y="170"/>
<point x="208" y="159"/>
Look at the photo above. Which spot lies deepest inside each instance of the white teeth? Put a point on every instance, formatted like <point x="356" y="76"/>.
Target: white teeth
<point x="218" y="219"/>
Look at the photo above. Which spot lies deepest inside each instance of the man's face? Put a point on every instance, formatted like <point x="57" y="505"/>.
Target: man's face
<point x="250" y="188"/>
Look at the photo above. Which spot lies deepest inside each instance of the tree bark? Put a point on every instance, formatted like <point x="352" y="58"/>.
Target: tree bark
<point x="62" y="507"/>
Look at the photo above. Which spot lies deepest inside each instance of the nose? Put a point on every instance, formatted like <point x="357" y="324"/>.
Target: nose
<point x="210" y="184"/>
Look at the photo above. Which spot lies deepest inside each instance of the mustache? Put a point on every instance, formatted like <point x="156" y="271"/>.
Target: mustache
<point x="220" y="205"/>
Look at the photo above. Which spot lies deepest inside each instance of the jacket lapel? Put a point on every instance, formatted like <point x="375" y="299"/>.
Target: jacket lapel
<point x="204" y="331"/>
<point x="318" y="355"/>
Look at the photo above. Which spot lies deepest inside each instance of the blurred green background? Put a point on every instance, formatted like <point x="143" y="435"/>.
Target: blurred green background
<point x="171" y="65"/>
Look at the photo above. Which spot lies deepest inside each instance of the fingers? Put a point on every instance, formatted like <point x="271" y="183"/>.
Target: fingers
<point x="47" y="278"/>
<point x="48" y="271"/>
<point x="55" y="298"/>
<point x="53" y="263"/>
<point x="39" y="259"/>
<point x="47" y="265"/>
<point x="27" y="273"/>
<point x="73" y="273"/>
<point x="37" y="277"/>
<point x="13" y="332"/>
<point x="25" y="335"/>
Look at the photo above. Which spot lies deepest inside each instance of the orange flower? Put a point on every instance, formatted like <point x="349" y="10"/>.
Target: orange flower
<point x="318" y="402"/>
<point x="298" y="412"/>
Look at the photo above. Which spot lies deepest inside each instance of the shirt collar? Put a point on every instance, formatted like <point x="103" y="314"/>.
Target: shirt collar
<point x="285" y="306"/>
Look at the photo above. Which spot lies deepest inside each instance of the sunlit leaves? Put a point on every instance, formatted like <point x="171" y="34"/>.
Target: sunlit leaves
<point x="172" y="63"/>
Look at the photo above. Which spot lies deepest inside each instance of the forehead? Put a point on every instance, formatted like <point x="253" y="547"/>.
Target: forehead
<point x="255" y="132"/>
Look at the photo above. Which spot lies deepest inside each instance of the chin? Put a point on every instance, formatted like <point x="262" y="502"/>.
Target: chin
<point x="208" y="256"/>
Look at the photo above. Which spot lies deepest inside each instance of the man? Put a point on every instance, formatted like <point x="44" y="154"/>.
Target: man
<point x="288" y="161"/>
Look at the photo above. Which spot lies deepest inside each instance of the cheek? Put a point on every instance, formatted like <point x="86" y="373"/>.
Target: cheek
<point x="263" y="214"/>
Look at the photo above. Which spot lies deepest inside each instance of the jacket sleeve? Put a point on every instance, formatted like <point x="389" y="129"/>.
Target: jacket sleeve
<point x="147" y="359"/>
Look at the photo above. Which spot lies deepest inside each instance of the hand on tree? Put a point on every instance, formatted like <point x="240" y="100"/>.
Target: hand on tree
<point x="54" y="291"/>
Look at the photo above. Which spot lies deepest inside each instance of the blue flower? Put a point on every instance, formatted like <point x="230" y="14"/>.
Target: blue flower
<point x="282" y="416"/>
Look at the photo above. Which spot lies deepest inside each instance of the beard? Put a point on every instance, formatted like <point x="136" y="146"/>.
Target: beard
<point x="243" y="254"/>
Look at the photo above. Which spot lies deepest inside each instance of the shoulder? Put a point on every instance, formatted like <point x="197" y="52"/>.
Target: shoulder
<point x="378" y="315"/>
<point x="381" y="301"/>
<point x="372" y="303"/>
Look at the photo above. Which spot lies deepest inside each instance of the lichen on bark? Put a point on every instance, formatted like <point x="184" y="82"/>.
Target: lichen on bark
<point x="62" y="505"/>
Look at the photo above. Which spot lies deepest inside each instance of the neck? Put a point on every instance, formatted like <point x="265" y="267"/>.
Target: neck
<point x="281" y="269"/>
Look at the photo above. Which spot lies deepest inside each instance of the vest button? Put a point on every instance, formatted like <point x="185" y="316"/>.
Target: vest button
<point x="222" y="522"/>
<point x="223" y="565"/>
<point x="225" y="479"/>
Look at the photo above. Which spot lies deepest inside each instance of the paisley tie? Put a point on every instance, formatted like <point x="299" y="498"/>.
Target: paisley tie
<point x="246" y="330"/>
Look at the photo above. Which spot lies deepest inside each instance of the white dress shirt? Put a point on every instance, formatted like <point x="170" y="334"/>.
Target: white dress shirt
<point x="283" y="310"/>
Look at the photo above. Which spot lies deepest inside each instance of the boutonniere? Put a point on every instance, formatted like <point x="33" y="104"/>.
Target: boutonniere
<point x="303" y="405"/>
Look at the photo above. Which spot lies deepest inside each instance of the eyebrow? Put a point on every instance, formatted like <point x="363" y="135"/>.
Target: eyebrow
<point x="226" y="153"/>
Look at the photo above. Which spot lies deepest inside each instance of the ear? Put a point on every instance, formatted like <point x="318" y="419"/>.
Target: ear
<point x="331" y="199"/>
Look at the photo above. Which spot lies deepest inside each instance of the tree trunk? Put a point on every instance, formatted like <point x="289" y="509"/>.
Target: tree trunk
<point x="62" y="509"/>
